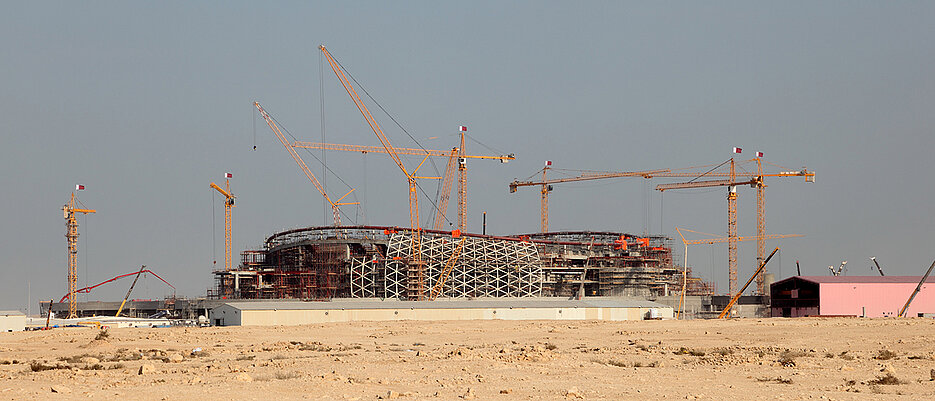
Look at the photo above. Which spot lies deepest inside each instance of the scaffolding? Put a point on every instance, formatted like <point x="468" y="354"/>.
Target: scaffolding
<point x="321" y="263"/>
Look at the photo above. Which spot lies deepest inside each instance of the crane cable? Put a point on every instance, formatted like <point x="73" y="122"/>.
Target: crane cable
<point x="432" y="161"/>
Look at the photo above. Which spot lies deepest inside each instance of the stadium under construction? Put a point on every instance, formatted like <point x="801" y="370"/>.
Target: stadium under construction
<point x="323" y="263"/>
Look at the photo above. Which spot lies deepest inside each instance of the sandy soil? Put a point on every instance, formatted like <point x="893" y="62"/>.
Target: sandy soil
<point x="790" y="359"/>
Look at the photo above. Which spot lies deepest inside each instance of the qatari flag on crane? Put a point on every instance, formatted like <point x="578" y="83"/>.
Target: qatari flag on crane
<point x="737" y="150"/>
<point x="228" y="175"/>
<point x="548" y="163"/>
<point x="462" y="128"/>
<point x="79" y="187"/>
<point x="759" y="154"/>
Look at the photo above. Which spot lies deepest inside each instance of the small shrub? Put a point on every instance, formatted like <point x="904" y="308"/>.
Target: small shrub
<point x="102" y="335"/>
<point x="642" y="347"/>
<point x="96" y="366"/>
<point x="74" y="358"/>
<point x="780" y="380"/>
<point x="550" y="346"/>
<point x="286" y="375"/>
<point x="686" y="351"/>
<point x="38" y="366"/>
<point x="885" y="355"/>
<point x="619" y="364"/>
<point x="829" y="355"/>
<point x="787" y="357"/>
<point x="117" y="366"/>
<point x="725" y="351"/>
<point x="246" y="358"/>
<point x="889" y="379"/>
<point x="845" y="356"/>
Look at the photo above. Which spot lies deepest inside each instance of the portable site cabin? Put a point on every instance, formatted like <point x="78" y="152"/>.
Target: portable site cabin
<point x="866" y="296"/>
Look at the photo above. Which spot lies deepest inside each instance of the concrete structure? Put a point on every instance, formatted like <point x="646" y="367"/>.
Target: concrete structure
<point x="12" y="321"/>
<point x="291" y="313"/>
<point x="867" y="296"/>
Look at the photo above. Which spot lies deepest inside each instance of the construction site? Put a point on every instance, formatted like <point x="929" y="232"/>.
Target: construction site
<point x="423" y="262"/>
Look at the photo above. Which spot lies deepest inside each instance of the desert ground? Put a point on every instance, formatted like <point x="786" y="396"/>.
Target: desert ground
<point x="741" y="359"/>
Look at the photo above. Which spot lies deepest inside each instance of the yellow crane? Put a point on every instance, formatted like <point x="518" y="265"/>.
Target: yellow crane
<point x="730" y="178"/>
<point x="733" y="179"/>
<point x="457" y="159"/>
<point x="70" y="211"/>
<point x="308" y="173"/>
<point x="228" y="219"/>
<point x="712" y="241"/>
<point x="416" y="278"/>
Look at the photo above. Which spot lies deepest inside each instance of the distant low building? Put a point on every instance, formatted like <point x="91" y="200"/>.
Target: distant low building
<point x="866" y="296"/>
<point x="12" y="321"/>
<point x="291" y="312"/>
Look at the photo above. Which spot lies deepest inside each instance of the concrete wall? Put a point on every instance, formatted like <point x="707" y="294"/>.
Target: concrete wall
<point x="877" y="299"/>
<point x="12" y="322"/>
<point x="230" y="316"/>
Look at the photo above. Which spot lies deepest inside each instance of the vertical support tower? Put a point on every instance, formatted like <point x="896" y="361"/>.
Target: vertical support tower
<point x="760" y="227"/>
<point x="462" y="183"/>
<point x="71" y="237"/>
<point x="228" y="217"/>
<point x="732" y="232"/>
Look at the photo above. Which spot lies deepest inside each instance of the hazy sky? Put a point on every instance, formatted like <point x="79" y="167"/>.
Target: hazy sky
<point x="147" y="103"/>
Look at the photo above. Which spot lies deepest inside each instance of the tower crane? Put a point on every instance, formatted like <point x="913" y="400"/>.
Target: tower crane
<point x="416" y="278"/>
<point x="70" y="211"/>
<point x="754" y="180"/>
<point x="457" y="159"/>
<point x="228" y="218"/>
<point x="730" y="178"/>
<point x="308" y="173"/>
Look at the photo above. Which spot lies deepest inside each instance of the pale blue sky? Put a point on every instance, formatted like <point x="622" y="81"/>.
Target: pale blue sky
<point x="147" y="103"/>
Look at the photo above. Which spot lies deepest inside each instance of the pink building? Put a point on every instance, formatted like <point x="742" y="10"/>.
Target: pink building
<point x="867" y="296"/>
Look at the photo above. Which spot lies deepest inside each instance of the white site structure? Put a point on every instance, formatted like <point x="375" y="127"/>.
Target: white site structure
<point x="292" y="313"/>
<point x="12" y="321"/>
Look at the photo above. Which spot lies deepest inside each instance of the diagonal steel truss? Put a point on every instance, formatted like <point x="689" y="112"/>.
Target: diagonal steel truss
<point x="486" y="267"/>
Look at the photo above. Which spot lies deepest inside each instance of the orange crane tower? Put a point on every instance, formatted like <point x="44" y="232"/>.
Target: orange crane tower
<point x="308" y="173"/>
<point x="70" y="211"/>
<point x="455" y="156"/>
<point x="755" y="180"/>
<point x="228" y="219"/>
<point x="416" y="280"/>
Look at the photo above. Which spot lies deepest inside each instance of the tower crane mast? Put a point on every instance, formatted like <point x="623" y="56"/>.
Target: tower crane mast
<point x="70" y="211"/>
<point x="228" y="219"/>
